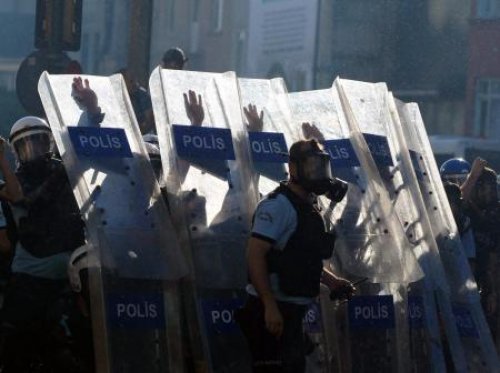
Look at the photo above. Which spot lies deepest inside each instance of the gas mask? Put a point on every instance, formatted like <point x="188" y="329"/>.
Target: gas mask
<point x="315" y="176"/>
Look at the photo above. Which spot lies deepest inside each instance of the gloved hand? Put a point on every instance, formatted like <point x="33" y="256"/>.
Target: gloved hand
<point x="83" y="257"/>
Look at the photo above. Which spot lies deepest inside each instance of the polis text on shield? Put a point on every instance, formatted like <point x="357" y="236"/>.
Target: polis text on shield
<point x="206" y="142"/>
<point x="103" y="141"/>
<point x="266" y="147"/>
<point x="142" y="310"/>
<point x="338" y="152"/>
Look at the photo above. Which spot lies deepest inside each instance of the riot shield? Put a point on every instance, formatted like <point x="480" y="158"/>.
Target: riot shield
<point x="480" y="353"/>
<point x="211" y="199"/>
<point x="134" y="300"/>
<point x="370" y="241"/>
<point x="374" y="117"/>
<point x="268" y="144"/>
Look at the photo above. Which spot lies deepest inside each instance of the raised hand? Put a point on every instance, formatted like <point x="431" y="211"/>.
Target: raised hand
<point x="85" y="96"/>
<point x="194" y="108"/>
<point x="310" y="131"/>
<point x="255" y="120"/>
<point x="478" y="165"/>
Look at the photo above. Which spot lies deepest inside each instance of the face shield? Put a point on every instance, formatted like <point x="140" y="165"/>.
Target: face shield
<point x="458" y="179"/>
<point x="33" y="146"/>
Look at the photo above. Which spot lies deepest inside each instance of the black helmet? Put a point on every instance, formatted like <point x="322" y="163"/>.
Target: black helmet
<point x="174" y="58"/>
<point x="455" y="170"/>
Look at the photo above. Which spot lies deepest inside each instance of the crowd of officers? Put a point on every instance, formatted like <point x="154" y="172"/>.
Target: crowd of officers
<point x="473" y="195"/>
<point x="45" y="325"/>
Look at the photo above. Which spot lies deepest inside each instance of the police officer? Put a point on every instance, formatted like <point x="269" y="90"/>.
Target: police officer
<point x="484" y="211"/>
<point x="285" y="261"/>
<point x="174" y="59"/>
<point x="462" y="221"/>
<point x="46" y="228"/>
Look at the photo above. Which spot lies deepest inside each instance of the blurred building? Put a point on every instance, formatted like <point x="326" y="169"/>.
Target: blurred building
<point x="483" y="77"/>
<point x="104" y="44"/>
<point x="212" y="33"/>
<point x="418" y="47"/>
<point x="17" y="25"/>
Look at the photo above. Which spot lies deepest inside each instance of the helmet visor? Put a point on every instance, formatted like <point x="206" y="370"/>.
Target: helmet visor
<point x="454" y="178"/>
<point x="31" y="147"/>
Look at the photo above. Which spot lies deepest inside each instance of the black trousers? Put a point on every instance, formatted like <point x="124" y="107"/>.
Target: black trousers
<point x="270" y="354"/>
<point x="30" y="329"/>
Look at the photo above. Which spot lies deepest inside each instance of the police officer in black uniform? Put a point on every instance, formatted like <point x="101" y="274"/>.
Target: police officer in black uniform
<point x="285" y="261"/>
<point x="45" y="229"/>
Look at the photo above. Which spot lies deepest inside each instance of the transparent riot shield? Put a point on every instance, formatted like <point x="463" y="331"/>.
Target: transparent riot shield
<point x="134" y="301"/>
<point x="268" y="144"/>
<point x="480" y="353"/>
<point x="370" y="241"/>
<point x="374" y="116"/>
<point x="211" y="199"/>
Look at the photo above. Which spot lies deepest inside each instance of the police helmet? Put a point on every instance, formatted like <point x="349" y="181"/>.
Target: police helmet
<point x="455" y="170"/>
<point x="174" y="58"/>
<point x="31" y="139"/>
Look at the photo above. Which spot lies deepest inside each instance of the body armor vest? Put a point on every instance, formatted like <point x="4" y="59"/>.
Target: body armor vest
<point x="300" y="263"/>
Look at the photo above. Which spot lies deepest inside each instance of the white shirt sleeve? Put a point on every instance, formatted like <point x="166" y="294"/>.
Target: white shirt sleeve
<point x="275" y="220"/>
